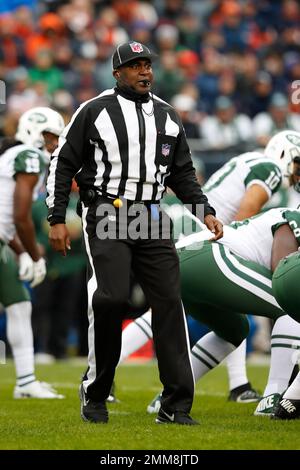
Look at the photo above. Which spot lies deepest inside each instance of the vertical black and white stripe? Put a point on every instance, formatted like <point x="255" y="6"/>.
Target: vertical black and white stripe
<point x="116" y="144"/>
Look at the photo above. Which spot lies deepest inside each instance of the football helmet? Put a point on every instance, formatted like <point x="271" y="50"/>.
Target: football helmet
<point x="284" y="147"/>
<point x="285" y="284"/>
<point x="34" y="122"/>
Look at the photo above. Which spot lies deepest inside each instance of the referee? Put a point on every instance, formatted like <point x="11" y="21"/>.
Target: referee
<point x="124" y="148"/>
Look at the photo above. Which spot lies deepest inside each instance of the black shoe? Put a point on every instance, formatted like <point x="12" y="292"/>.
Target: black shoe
<point x="287" y="408"/>
<point x="92" y="411"/>
<point x="244" y="394"/>
<point x="178" y="417"/>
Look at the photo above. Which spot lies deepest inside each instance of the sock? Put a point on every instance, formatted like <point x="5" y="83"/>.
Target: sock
<point x="261" y="338"/>
<point x="20" y="338"/>
<point x="208" y="352"/>
<point x="236" y="367"/>
<point x="284" y="341"/>
<point x="293" y="392"/>
<point x="135" y="335"/>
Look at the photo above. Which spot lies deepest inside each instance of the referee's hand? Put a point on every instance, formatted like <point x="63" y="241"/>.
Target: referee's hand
<point x="214" y="225"/>
<point x="59" y="238"/>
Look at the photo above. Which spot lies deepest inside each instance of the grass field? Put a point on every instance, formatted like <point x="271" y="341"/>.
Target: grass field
<point x="47" y="424"/>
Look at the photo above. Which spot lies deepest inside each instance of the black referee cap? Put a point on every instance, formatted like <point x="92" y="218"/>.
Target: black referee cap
<point x="130" y="51"/>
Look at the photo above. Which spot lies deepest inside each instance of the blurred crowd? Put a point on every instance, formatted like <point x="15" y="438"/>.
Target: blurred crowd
<point x="229" y="67"/>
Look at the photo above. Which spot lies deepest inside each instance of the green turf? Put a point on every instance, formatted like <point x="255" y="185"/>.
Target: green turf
<point x="47" y="424"/>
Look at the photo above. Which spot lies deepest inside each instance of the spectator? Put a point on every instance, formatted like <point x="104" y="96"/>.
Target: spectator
<point x="277" y="118"/>
<point x="51" y="30"/>
<point x="226" y="128"/>
<point x="23" y="97"/>
<point x="64" y="60"/>
<point x="228" y="85"/>
<point x="208" y="79"/>
<point x="63" y="102"/>
<point x="189" y="30"/>
<point x="274" y="65"/>
<point x="45" y="71"/>
<point x="233" y="26"/>
<point x="11" y="51"/>
<point x="246" y="67"/>
<point x="166" y="36"/>
<point x="189" y="64"/>
<point x="185" y="105"/>
<point x="169" y="79"/>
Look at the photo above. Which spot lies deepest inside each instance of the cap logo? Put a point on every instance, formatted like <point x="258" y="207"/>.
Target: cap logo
<point x="37" y="118"/>
<point x="136" y="47"/>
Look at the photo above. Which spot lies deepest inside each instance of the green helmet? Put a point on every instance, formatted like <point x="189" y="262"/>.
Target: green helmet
<point x="285" y="285"/>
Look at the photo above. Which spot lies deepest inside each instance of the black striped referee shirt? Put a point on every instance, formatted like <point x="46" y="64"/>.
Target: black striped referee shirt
<point x="123" y="145"/>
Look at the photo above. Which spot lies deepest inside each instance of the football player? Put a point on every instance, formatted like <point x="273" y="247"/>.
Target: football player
<point x="238" y="190"/>
<point x="23" y="161"/>
<point x="287" y="294"/>
<point x="224" y="281"/>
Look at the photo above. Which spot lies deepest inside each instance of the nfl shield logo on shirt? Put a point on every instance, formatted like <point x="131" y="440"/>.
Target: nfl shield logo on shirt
<point x="165" y="149"/>
<point x="136" y="47"/>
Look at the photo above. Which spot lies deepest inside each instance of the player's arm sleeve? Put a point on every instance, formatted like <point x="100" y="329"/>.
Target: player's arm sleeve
<point x="292" y="218"/>
<point x="28" y="161"/>
<point x="265" y="174"/>
<point x="182" y="180"/>
<point x="66" y="161"/>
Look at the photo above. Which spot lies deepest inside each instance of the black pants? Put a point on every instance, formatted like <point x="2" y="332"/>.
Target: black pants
<point x="156" y="266"/>
<point x="55" y="308"/>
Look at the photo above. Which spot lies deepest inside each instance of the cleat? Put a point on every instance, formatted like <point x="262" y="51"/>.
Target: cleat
<point x="154" y="406"/>
<point x="287" y="409"/>
<point x="244" y="394"/>
<point x="36" y="389"/>
<point x="267" y="405"/>
<point x="90" y="410"/>
<point x="112" y="397"/>
<point x="178" y="417"/>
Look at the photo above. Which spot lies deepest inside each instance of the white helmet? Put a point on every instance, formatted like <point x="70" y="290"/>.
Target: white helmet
<point x="34" y="122"/>
<point x="284" y="147"/>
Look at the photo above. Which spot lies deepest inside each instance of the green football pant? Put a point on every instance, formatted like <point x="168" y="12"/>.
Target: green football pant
<point x="219" y="289"/>
<point x="12" y="290"/>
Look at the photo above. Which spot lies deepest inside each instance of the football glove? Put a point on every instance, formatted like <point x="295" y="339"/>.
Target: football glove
<point x="39" y="272"/>
<point x="25" y="267"/>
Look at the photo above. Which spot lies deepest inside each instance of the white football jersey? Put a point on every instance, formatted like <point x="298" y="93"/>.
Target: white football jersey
<point x="17" y="159"/>
<point x="226" y="187"/>
<point x="252" y="238"/>
<point x="293" y="197"/>
<point x="225" y="190"/>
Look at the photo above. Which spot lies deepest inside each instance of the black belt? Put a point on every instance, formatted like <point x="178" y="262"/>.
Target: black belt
<point x="90" y="195"/>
